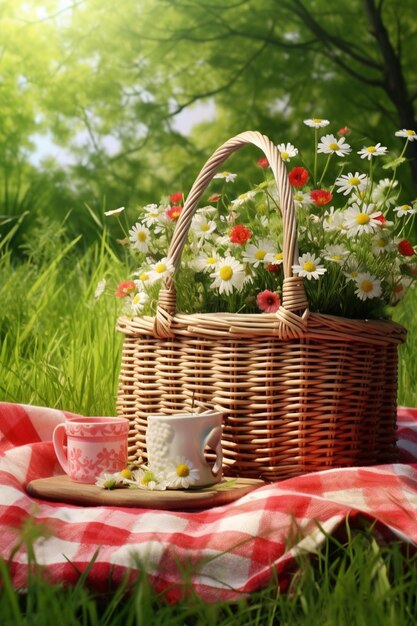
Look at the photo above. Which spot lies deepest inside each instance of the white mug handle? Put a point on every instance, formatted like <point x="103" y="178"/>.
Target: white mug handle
<point x="214" y="441"/>
<point x="59" y="439"/>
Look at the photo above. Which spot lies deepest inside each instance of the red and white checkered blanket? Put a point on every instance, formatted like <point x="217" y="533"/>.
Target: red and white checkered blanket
<point x="224" y="551"/>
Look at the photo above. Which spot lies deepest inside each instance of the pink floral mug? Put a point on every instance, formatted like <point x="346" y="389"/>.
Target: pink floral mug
<point x="88" y="446"/>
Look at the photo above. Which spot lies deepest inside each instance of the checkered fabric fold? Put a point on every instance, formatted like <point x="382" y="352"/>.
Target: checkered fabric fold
<point x="225" y="552"/>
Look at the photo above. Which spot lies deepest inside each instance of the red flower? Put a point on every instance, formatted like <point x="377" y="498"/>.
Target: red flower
<point x="381" y="219"/>
<point x="298" y="176"/>
<point x="215" y="197"/>
<point x="174" y="212"/>
<point x="268" y="301"/>
<point x="405" y="248"/>
<point x="343" y="131"/>
<point x="275" y="268"/>
<point x="320" y="197"/>
<point x="125" y="288"/>
<point x="263" y="162"/>
<point x="240" y="234"/>
<point x="176" y="198"/>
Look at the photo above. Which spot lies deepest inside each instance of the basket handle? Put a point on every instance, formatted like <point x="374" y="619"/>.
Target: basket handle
<point x="294" y="300"/>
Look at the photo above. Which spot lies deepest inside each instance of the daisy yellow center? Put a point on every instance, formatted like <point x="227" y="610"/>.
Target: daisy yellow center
<point x="317" y="120"/>
<point x="279" y="256"/>
<point x="183" y="470"/>
<point x="160" y="268"/>
<point x="354" y="274"/>
<point x="367" y="286"/>
<point x="225" y="174"/>
<point x="334" y="146"/>
<point x="371" y="149"/>
<point x="411" y="133"/>
<point x="141" y="236"/>
<point x="136" y="299"/>
<point x="336" y="257"/>
<point x="211" y="260"/>
<point x="243" y="196"/>
<point x="147" y="478"/>
<point x="381" y="243"/>
<point x="144" y="276"/>
<point x="309" y="266"/>
<point x="126" y="473"/>
<point x="362" y="219"/>
<point x="354" y="181"/>
<point x="226" y="272"/>
<point x="260" y="255"/>
<point x="205" y="227"/>
<point x="405" y="207"/>
<point x="285" y="156"/>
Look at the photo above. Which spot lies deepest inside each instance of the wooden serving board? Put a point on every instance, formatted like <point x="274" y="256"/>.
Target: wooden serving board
<point x="62" y="489"/>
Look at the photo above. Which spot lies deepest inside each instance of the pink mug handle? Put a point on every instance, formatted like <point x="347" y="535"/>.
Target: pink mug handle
<point x="59" y="439"/>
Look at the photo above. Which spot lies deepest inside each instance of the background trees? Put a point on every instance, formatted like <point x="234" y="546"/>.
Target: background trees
<point x="109" y="81"/>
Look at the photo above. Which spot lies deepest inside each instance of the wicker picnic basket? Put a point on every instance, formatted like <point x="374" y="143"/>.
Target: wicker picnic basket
<point x="299" y="391"/>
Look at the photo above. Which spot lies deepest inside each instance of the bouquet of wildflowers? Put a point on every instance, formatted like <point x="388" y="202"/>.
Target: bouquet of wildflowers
<point x="352" y="236"/>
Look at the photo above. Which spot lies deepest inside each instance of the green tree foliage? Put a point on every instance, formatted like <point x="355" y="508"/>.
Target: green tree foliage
<point x="108" y="82"/>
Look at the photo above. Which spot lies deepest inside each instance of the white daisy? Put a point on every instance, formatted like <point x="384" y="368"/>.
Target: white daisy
<point x="181" y="474"/>
<point x="382" y="243"/>
<point x="349" y="182"/>
<point x="159" y="270"/>
<point x="367" y="286"/>
<point x="309" y="267"/>
<point x="336" y="253"/>
<point x="405" y="209"/>
<point x="411" y="135"/>
<point x="330" y="145"/>
<point x="201" y="226"/>
<point x="259" y="253"/>
<point x="227" y="176"/>
<point x="139" y="236"/>
<point x="138" y="301"/>
<point x="383" y="191"/>
<point x="228" y="274"/>
<point x="361" y="219"/>
<point x="206" y="261"/>
<point x="142" y="278"/>
<point x="368" y="152"/>
<point x="301" y="199"/>
<point x="287" y="151"/>
<point x="145" y="478"/>
<point x="153" y="214"/>
<point x="100" y="288"/>
<point x="400" y="287"/>
<point x="277" y="258"/>
<point x="316" y="122"/>
<point x="334" y="220"/>
<point x="115" y="211"/>
<point x="110" y="480"/>
<point x="244" y="197"/>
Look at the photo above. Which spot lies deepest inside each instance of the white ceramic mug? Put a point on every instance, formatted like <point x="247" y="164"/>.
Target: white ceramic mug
<point x="88" y="446"/>
<point x="196" y="438"/>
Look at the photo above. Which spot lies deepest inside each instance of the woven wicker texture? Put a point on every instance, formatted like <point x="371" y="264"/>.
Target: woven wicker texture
<point x="299" y="391"/>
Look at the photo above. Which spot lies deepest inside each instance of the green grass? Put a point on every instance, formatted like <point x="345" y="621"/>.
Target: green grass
<point x="354" y="582"/>
<point x="59" y="348"/>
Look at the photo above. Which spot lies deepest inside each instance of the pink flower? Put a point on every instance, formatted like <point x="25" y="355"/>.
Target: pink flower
<point x="268" y="301"/>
